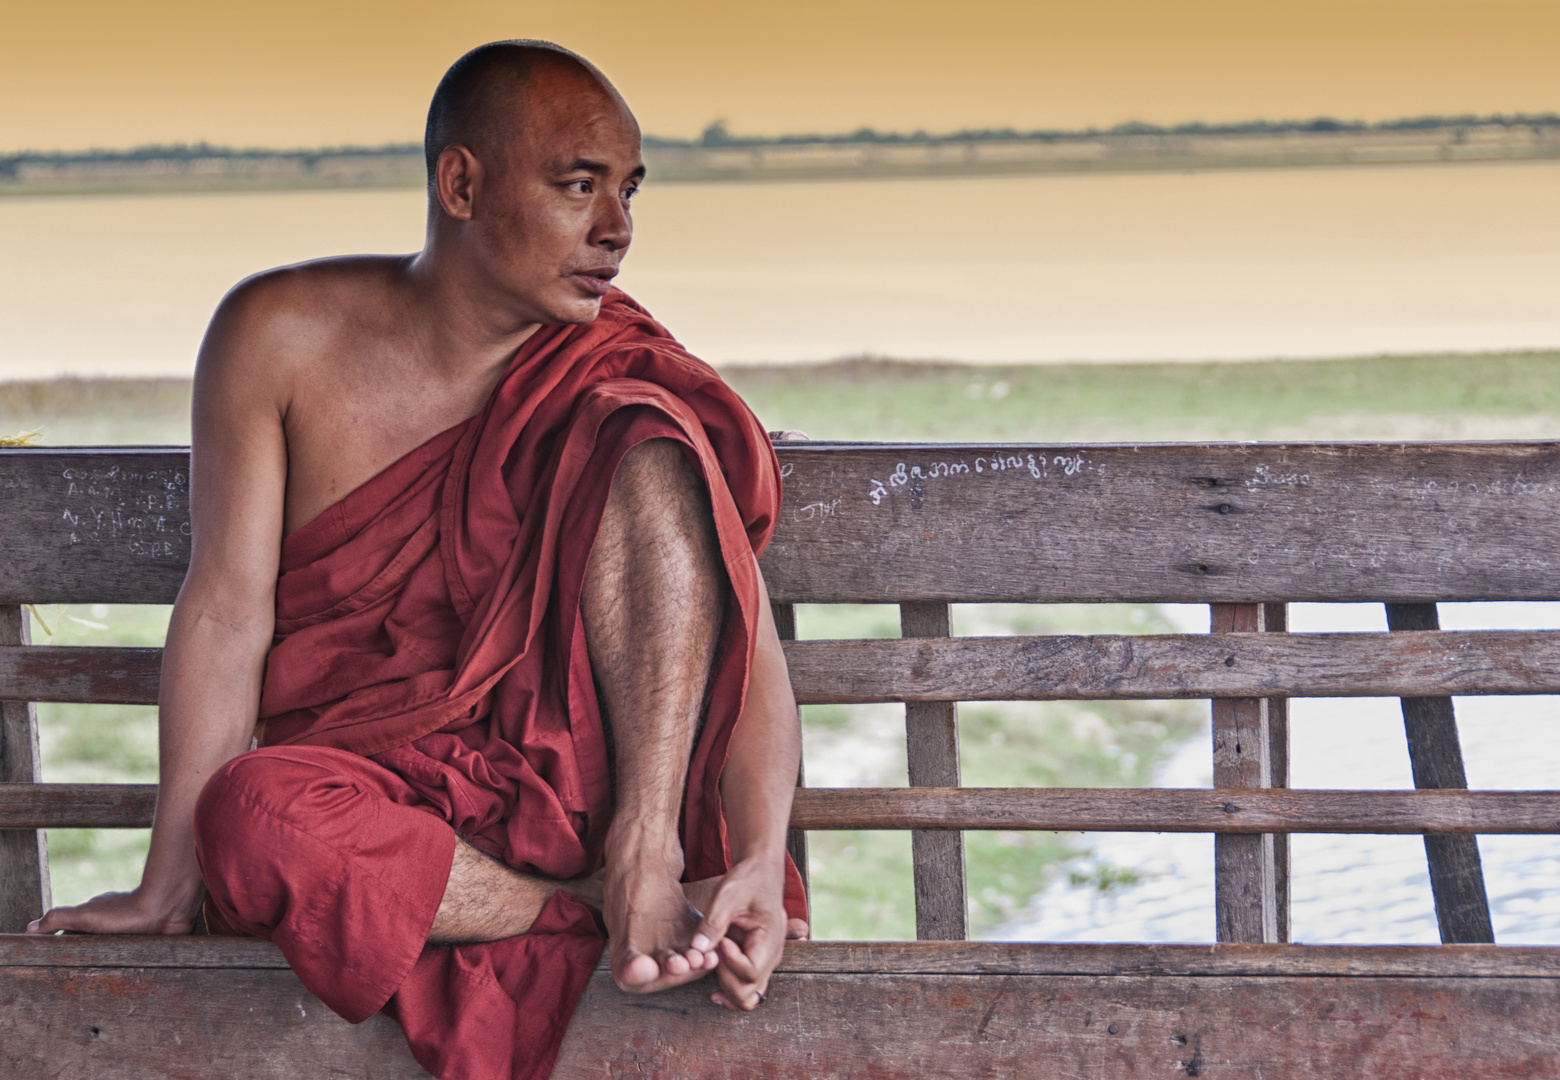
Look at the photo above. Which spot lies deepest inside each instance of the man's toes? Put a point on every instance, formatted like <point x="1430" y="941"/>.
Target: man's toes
<point x="675" y="964"/>
<point x="639" y="972"/>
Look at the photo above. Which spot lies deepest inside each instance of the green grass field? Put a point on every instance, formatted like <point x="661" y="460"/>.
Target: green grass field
<point x="862" y="885"/>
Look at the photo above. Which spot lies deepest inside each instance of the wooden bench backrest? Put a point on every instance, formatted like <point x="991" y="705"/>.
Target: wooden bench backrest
<point x="1244" y="528"/>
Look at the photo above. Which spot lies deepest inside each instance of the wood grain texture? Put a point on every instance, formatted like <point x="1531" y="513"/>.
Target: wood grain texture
<point x="96" y="525"/>
<point x="1196" y="524"/>
<point x="932" y="753"/>
<point x="795" y="839"/>
<point x="1462" y="907"/>
<point x="1045" y="668"/>
<point x="24" y="853"/>
<point x="98" y="675"/>
<point x="1164" y="666"/>
<point x="1199" y="524"/>
<point x="1075" y="1028"/>
<point x="130" y="806"/>
<point x="64" y="1023"/>
<point x="1275" y="620"/>
<point x="1179" y="810"/>
<point x="895" y="957"/>
<point x="1245" y="872"/>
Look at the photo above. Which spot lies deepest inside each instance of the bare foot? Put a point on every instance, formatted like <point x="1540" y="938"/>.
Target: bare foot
<point x="650" y="926"/>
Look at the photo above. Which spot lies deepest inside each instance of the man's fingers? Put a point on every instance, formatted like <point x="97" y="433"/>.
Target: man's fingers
<point x="712" y="928"/>
<point x="797" y="930"/>
<point x="55" y="920"/>
<point x="736" y="993"/>
<point x="737" y="961"/>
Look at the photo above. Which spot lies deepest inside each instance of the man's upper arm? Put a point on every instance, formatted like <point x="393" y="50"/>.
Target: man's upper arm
<point x="238" y="469"/>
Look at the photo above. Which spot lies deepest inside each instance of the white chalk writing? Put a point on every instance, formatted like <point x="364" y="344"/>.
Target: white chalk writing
<point x="143" y="512"/>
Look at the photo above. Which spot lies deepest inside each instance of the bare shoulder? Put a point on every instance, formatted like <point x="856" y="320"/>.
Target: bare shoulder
<point x="276" y="321"/>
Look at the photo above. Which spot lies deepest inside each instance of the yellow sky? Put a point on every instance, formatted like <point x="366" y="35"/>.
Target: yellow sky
<point x="316" y="72"/>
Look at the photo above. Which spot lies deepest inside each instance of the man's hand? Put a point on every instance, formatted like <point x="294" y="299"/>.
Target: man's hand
<point x="119" y="913"/>
<point x="745" y="925"/>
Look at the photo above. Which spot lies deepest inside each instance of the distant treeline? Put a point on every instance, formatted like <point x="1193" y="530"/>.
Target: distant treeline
<point x="717" y="136"/>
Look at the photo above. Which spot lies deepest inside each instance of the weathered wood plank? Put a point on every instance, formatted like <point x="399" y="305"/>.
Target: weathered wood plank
<point x="77" y="806"/>
<point x="1051" y="667"/>
<point x="932" y="750"/>
<point x="98" y="525"/>
<point x="795" y="839"/>
<point x="1462" y="908"/>
<point x="1160" y="666"/>
<point x="107" y="676"/>
<point x="130" y="806"/>
<point x="895" y="957"/>
<point x="1275" y="620"/>
<point x="1199" y="524"/>
<point x="24" y="853"/>
<point x="65" y="1023"/>
<point x="190" y="1024"/>
<point x="1046" y="668"/>
<point x="1072" y="1028"/>
<point x="1244" y="869"/>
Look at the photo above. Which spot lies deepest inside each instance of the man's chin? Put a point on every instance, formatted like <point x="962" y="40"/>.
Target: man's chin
<point x="572" y="313"/>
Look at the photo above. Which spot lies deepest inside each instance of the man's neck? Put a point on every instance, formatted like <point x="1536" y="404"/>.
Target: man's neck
<point x="459" y="320"/>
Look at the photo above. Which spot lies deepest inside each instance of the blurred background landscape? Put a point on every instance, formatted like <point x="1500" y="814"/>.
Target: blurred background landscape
<point x="1047" y="222"/>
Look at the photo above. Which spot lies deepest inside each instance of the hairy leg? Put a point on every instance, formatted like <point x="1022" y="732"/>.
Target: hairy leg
<point x="653" y="603"/>
<point x="485" y="900"/>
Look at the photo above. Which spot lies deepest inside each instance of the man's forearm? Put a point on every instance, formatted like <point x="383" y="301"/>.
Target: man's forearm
<point x="212" y="669"/>
<point x="760" y="775"/>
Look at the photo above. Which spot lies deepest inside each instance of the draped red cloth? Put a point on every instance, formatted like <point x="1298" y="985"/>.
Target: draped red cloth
<point x="430" y="677"/>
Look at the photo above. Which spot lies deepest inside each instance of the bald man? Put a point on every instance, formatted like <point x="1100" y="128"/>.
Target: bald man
<point x="476" y="542"/>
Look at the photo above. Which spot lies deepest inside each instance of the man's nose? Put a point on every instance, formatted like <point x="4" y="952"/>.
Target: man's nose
<point x="614" y="227"/>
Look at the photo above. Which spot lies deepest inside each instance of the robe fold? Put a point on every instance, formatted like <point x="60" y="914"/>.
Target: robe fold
<point x="430" y="677"/>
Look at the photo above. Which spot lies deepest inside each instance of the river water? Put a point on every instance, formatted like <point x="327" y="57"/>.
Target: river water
<point x="1150" y="266"/>
<point x="1345" y="889"/>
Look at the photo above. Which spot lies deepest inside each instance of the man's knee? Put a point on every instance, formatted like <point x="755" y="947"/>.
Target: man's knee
<point x="254" y="818"/>
<point x="658" y="472"/>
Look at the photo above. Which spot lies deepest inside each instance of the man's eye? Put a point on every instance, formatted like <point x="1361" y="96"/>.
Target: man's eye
<point x="629" y="193"/>
<point x="581" y="186"/>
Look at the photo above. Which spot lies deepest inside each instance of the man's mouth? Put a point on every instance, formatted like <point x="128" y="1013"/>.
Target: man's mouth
<point x="598" y="281"/>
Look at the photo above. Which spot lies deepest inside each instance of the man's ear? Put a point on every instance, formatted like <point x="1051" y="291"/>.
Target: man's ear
<point x="455" y="181"/>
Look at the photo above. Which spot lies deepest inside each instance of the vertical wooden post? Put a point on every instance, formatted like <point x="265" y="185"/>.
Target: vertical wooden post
<point x="932" y="743"/>
<point x="1275" y="620"/>
<point x="1245" y="870"/>
<point x="795" y="839"/>
<point x="24" y="853"/>
<point x="1434" y="751"/>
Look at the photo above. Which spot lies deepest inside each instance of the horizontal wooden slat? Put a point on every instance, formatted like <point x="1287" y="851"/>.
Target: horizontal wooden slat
<point x="895" y="957"/>
<point x="94" y="525"/>
<point x="1225" y="810"/>
<point x="1176" y="666"/>
<point x="117" y="676"/>
<point x="67" y="1023"/>
<point x="77" y="806"/>
<point x="1408" y="522"/>
<point x="1053" y="667"/>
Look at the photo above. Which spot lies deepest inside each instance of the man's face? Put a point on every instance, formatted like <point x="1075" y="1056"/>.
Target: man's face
<point x="551" y="214"/>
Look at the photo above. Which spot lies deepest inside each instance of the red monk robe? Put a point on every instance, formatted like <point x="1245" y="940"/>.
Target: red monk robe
<point x="430" y="677"/>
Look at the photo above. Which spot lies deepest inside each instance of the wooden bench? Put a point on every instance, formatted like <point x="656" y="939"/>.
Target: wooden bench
<point x="1243" y="528"/>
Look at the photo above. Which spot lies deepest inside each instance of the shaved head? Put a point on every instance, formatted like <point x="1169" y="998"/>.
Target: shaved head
<point x="482" y="101"/>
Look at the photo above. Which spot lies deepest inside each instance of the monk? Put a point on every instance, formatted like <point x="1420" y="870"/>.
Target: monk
<point x="474" y="661"/>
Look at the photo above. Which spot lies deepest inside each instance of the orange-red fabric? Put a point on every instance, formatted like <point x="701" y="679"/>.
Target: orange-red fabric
<point x="429" y="621"/>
